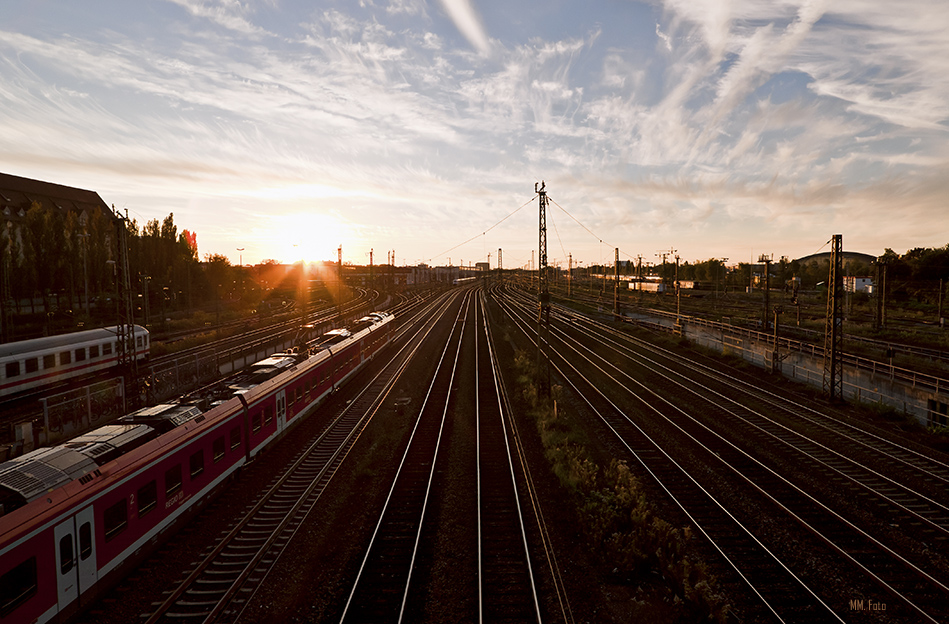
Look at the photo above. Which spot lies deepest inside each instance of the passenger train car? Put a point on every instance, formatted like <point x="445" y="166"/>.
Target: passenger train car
<point x="75" y="517"/>
<point x="31" y="364"/>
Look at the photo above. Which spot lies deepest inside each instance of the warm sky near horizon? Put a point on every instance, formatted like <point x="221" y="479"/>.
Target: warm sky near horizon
<point x="717" y="128"/>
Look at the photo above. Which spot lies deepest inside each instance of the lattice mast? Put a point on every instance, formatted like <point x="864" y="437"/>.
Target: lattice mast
<point x="500" y="270"/>
<point x="543" y="292"/>
<point x="616" y="281"/>
<point x="833" y="329"/>
<point x="125" y="329"/>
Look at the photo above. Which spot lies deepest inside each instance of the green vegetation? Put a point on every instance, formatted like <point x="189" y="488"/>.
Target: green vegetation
<point x="617" y="520"/>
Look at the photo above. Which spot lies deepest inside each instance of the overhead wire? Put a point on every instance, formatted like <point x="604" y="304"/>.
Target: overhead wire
<point x="630" y="256"/>
<point x="484" y="232"/>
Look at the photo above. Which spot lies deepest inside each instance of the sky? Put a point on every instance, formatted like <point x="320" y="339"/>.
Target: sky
<point x="288" y="128"/>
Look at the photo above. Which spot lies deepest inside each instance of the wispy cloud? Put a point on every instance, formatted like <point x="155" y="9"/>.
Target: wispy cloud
<point x="468" y="22"/>
<point x="720" y="119"/>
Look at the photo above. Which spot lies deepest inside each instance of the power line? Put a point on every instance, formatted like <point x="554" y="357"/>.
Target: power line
<point x="586" y="228"/>
<point x="484" y="232"/>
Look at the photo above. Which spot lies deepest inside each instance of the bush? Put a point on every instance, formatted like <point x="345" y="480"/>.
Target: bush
<point x="617" y="520"/>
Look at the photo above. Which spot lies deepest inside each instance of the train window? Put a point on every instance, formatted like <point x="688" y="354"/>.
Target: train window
<point x="115" y="520"/>
<point x="65" y="358"/>
<point x="80" y="354"/>
<point x="172" y="480"/>
<point x="17" y="586"/>
<point x="107" y="348"/>
<point x="138" y="342"/>
<point x="49" y="361"/>
<point x="268" y="415"/>
<point x="85" y="540"/>
<point x="65" y="554"/>
<point x="93" y="351"/>
<point x="217" y="449"/>
<point x="255" y="422"/>
<point x="32" y="365"/>
<point x="13" y="369"/>
<point x="197" y="464"/>
<point x="147" y="498"/>
<point x="235" y="437"/>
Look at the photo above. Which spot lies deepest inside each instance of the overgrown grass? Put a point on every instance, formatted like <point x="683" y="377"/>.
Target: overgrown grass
<point x="617" y="520"/>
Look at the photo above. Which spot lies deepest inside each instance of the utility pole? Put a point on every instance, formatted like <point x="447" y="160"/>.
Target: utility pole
<point x="500" y="271"/>
<point x="775" y="356"/>
<point x="339" y="283"/>
<point x="570" y="280"/>
<point x="833" y="330"/>
<point x="678" y="319"/>
<point x="543" y="317"/>
<point x="664" y="254"/>
<point x="767" y="290"/>
<point x="616" y="281"/>
<point x="125" y="329"/>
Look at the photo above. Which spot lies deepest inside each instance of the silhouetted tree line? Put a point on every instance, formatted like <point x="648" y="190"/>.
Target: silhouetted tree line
<point x="46" y="262"/>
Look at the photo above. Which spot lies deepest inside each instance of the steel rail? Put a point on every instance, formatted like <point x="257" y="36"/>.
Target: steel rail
<point x="677" y="498"/>
<point x="781" y="479"/>
<point x="356" y="609"/>
<point x="214" y="608"/>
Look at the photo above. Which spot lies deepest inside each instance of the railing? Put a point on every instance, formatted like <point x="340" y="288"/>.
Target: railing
<point x="874" y="367"/>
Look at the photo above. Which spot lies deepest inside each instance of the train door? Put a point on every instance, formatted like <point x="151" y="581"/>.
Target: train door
<point x="281" y="410"/>
<point x="85" y="530"/>
<point x="75" y="557"/>
<point x="67" y="570"/>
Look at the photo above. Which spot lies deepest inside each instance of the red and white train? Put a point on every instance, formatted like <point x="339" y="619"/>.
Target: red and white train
<point x="75" y="517"/>
<point x="31" y="364"/>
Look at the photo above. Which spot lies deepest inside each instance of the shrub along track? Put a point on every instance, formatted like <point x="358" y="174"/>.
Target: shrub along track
<point x="852" y="564"/>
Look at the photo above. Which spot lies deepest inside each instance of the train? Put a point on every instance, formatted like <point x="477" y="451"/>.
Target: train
<point x="30" y="365"/>
<point x="75" y="517"/>
<point x="461" y="281"/>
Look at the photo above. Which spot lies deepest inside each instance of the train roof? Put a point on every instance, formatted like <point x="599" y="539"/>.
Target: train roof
<point x="276" y="361"/>
<point x="32" y="475"/>
<point x="61" y="340"/>
<point x="106" y="443"/>
<point x="162" y="417"/>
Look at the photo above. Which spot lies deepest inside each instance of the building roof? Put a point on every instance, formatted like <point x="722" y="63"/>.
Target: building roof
<point x="18" y="194"/>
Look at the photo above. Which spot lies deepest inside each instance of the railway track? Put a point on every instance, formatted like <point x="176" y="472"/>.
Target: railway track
<point x="381" y="587"/>
<point x="386" y="588"/>
<point x="911" y="583"/>
<point x="506" y="588"/>
<point x="220" y="584"/>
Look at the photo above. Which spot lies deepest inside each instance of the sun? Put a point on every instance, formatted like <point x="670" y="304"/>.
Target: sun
<point x="309" y="236"/>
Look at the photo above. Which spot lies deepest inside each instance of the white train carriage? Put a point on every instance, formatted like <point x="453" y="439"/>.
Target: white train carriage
<point x="31" y="364"/>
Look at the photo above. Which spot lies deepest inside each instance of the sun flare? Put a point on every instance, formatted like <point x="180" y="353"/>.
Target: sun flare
<point x="309" y="236"/>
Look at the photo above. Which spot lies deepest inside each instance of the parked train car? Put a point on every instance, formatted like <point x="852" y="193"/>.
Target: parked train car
<point x="75" y="517"/>
<point x="31" y="364"/>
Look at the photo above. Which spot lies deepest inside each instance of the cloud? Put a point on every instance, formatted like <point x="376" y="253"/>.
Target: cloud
<point x="468" y="23"/>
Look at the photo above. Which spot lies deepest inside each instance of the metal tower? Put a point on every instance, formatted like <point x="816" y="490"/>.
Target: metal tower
<point x="543" y="318"/>
<point x="833" y="329"/>
<point x="616" y="281"/>
<point x="125" y="329"/>
<point x="500" y="270"/>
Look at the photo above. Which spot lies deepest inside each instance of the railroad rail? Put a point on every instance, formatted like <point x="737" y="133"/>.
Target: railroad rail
<point x="905" y="576"/>
<point x="381" y="587"/>
<point x="506" y="588"/>
<point x="224" y="580"/>
<point x="782" y="593"/>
